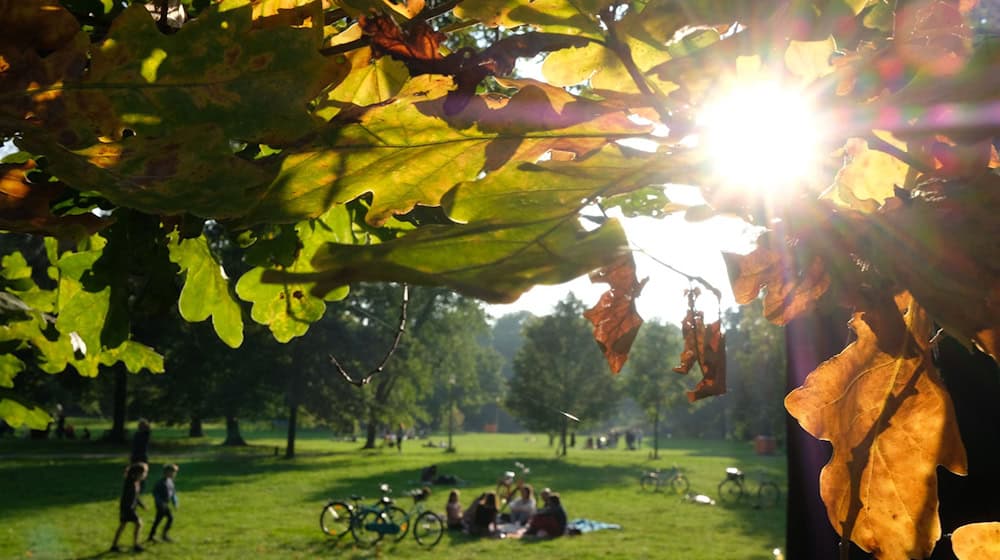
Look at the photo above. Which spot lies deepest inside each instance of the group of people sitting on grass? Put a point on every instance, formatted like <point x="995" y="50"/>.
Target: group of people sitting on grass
<point x="484" y="518"/>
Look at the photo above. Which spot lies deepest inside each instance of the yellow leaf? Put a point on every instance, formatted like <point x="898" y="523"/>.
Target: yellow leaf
<point x="883" y="406"/>
<point x="977" y="541"/>
<point x="810" y="59"/>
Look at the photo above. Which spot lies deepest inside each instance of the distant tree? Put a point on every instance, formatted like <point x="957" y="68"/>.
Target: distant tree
<point x="561" y="370"/>
<point x="756" y="373"/>
<point x="648" y="374"/>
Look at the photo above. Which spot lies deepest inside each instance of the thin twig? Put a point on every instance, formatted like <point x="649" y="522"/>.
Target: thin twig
<point x="876" y="143"/>
<point x="698" y="279"/>
<point x="392" y="349"/>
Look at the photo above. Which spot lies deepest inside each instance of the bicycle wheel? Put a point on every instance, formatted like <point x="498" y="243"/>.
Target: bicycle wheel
<point x="335" y="519"/>
<point x="730" y="491"/>
<point x="399" y="518"/>
<point x="366" y="527"/>
<point x="649" y="482"/>
<point x="428" y="529"/>
<point x="680" y="484"/>
<point x="768" y="494"/>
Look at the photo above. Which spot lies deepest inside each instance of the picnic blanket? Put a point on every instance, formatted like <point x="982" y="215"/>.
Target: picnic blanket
<point x="589" y="526"/>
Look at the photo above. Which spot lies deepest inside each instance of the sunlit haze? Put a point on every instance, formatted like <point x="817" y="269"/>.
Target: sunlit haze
<point x="760" y="135"/>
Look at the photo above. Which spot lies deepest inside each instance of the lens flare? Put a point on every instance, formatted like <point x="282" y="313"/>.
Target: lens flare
<point x="761" y="136"/>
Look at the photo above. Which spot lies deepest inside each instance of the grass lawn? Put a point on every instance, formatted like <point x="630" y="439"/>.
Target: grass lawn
<point x="58" y="499"/>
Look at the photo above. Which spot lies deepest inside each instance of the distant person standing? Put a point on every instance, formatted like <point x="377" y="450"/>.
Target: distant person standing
<point x="400" y="432"/>
<point x="60" y="421"/>
<point x="165" y="495"/>
<point x="134" y="475"/>
<point x="140" y="442"/>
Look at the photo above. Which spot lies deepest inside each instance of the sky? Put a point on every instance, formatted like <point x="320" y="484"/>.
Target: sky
<point x="692" y="247"/>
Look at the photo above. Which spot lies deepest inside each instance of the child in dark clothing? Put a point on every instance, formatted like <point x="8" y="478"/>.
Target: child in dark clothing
<point x="134" y="475"/>
<point x="164" y="494"/>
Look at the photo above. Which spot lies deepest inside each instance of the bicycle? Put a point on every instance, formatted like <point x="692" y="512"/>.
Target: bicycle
<point x="733" y="489"/>
<point x="428" y="527"/>
<point x="339" y="518"/>
<point x="672" y="478"/>
<point x="510" y="483"/>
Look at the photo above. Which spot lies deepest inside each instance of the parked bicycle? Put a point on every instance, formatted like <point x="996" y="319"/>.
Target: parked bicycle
<point x="733" y="489"/>
<point x="510" y="484"/>
<point x="339" y="518"/>
<point x="671" y="478"/>
<point x="428" y="527"/>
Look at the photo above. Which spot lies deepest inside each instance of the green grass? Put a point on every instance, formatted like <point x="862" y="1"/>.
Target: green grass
<point x="58" y="499"/>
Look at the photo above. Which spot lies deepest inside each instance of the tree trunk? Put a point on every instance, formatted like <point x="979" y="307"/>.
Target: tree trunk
<point x="370" y="434"/>
<point x="562" y="437"/>
<point x="195" y="429"/>
<point x="233" y="436"/>
<point x="656" y="432"/>
<point x="119" y="410"/>
<point x="809" y="340"/>
<point x="293" y="414"/>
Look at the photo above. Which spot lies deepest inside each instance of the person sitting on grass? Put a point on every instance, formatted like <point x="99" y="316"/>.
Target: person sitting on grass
<point x="454" y="511"/>
<point x="164" y="494"/>
<point x="550" y="521"/>
<point x="485" y="516"/>
<point x="523" y="507"/>
<point x="134" y="475"/>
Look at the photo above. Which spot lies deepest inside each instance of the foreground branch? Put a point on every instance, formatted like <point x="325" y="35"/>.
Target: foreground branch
<point x="392" y="349"/>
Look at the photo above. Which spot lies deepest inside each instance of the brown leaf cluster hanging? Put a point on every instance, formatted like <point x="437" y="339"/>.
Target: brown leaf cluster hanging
<point x="616" y="321"/>
<point x="706" y="345"/>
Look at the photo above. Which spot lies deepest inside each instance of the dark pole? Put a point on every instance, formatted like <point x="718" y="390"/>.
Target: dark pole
<point x="451" y="412"/>
<point x="656" y="432"/>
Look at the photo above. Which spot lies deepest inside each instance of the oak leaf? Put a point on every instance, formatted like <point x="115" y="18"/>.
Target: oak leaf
<point x="977" y="541"/>
<point x="616" y="321"/>
<point x="891" y="422"/>
<point x="790" y="291"/>
<point x="706" y="346"/>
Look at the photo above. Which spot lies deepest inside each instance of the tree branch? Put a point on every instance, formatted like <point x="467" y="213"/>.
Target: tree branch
<point x="405" y="300"/>
<point x="876" y="143"/>
<point x="624" y="53"/>
<point x="698" y="279"/>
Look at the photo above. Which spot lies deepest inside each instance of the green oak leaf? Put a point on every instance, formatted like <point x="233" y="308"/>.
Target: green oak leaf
<point x="411" y="152"/>
<point x="369" y="82"/>
<point x="551" y="189"/>
<point x="18" y="414"/>
<point x="289" y="308"/>
<point x="192" y="171"/>
<point x="206" y="291"/>
<point x="135" y="356"/>
<point x="493" y="262"/>
<point x="574" y="17"/>
<point x="10" y="366"/>
<point x="253" y="84"/>
<point x="84" y="299"/>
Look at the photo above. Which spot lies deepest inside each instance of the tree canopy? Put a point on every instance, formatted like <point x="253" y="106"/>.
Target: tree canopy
<point x="343" y="141"/>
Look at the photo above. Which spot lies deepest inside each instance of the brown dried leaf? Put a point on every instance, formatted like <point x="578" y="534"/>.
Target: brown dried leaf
<point x="790" y="292"/>
<point x="419" y="42"/>
<point x="938" y="245"/>
<point x="616" y="321"/>
<point x="977" y="541"/>
<point x="705" y="345"/>
<point x="713" y="364"/>
<point x="24" y="206"/>
<point x="891" y="422"/>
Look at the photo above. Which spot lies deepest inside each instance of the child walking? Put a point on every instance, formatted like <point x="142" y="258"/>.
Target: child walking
<point x="134" y="475"/>
<point x="164" y="494"/>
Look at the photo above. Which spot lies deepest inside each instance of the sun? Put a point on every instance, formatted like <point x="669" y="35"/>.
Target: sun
<point x="762" y="136"/>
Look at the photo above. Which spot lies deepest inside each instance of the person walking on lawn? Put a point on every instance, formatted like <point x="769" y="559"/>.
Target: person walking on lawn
<point x="164" y="494"/>
<point x="134" y="475"/>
